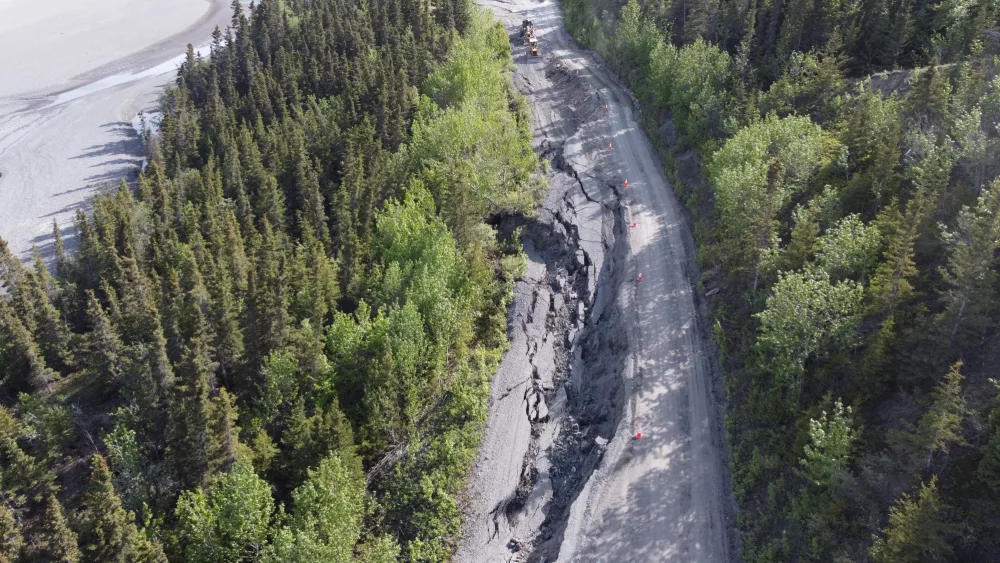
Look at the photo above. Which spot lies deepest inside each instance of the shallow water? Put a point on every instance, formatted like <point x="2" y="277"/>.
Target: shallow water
<point x="119" y="79"/>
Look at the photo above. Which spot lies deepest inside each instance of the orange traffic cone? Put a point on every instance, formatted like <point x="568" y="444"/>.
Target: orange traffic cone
<point x="640" y="277"/>
<point x="626" y="183"/>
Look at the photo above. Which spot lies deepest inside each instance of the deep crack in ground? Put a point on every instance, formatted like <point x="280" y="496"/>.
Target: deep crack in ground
<point x="559" y="476"/>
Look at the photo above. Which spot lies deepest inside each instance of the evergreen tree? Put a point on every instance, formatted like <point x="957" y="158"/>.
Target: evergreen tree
<point x="970" y="272"/>
<point x="11" y="539"/>
<point x="803" y="239"/>
<point x="59" y="249"/>
<point x="107" y="533"/>
<point x="989" y="465"/>
<point x="190" y="433"/>
<point x="890" y="285"/>
<point x="942" y="425"/>
<point x="106" y="351"/>
<point x="915" y="530"/>
<point x="50" y="332"/>
<point x="54" y="541"/>
<point x="307" y="439"/>
<point x="19" y="354"/>
<point x="225" y="443"/>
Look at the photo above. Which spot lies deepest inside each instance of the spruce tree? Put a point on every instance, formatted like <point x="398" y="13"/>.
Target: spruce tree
<point x="107" y="533"/>
<point x="225" y="440"/>
<point x="11" y="539"/>
<point x="190" y="435"/>
<point x="989" y="466"/>
<point x="105" y="356"/>
<point x="970" y="272"/>
<point x="54" y="541"/>
<point x="942" y="425"/>
<point x="59" y="250"/>
<point x="890" y="285"/>
<point x="51" y="333"/>
<point x="24" y="361"/>
<point x="915" y="530"/>
<point x="803" y="238"/>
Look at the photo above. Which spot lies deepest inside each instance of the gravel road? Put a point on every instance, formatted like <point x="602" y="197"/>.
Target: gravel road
<point x="68" y="102"/>
<point x="628" y="356"/>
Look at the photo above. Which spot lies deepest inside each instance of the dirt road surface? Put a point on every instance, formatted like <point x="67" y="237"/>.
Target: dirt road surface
<point x="606" y="355"/>
<point x="73" y="80"/>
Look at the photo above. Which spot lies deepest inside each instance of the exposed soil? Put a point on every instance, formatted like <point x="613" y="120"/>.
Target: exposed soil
<point x="596" y="355"/>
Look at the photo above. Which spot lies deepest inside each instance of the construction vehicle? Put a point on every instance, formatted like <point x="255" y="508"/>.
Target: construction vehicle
<point x="527" y="31"/>
<point x="533" y="43"/>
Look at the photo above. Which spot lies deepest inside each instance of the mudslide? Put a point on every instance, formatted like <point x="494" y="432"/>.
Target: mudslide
<point x="608" y="342"/>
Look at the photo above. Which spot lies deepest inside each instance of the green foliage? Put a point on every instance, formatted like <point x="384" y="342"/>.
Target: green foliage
<point x="915" y="530"/>
<point x="890" y="285"/>
<point x="20" y="358"/>
<point x="307" y="439"/>
<point x="11" y="538"/>
<point x="831" y="441"/>
<point x="802" y="240"/>
<point x="812" y="84"/>
<point x="807" y="317"/>
<point x="275" y="386"/>
<point x="229" y="522"/>
<point x="942" y="424"/>
<point x="108" y="533"/>
<point x="757" y="172"/>
<point x="190" y="433"/>
<point x="325" y="523"/>
<point x="309" y="233"/>
<point x="638" y="42"/>
<point x="871" y="130"/>
<point x="125" y="458"/>
<point x="689" y="82"/>
<point x="849" y="249"/>
<point x="54" y="541"/>
<point x="467" y="148"/>
<point x="988" y="470"/>
<point x="970" y="275"/>
<point x="51" y="425"/>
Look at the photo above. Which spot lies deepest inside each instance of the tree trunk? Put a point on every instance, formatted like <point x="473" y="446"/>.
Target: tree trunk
<point x="772" y="28"/>
<point x="958" y="319"/>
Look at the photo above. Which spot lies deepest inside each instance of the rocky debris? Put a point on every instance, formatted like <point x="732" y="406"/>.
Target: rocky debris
<point x="537" y="411"/>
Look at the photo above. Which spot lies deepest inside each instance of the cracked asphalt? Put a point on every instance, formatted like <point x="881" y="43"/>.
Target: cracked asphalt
<point x="598" y="354"/>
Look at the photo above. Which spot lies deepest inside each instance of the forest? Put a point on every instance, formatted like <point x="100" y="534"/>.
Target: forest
<point x="839" y="161"/>
<point x="277" y="346"/>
